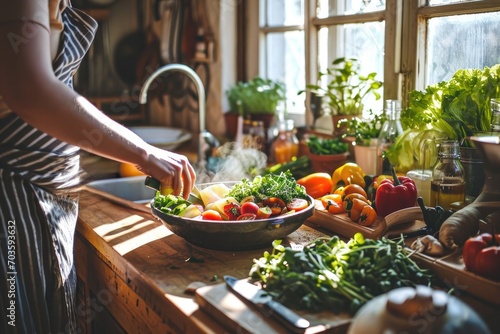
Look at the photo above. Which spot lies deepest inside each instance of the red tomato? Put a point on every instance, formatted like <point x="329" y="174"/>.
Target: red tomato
<point x="297" y="204"/>
<point x="275" y="204"/>
<point x="264" y="212"/>
<point x="246" y="216"/>
<point x="232" y="211"/>
<point x="249" y="207"/>
<point x="211" y="215"/>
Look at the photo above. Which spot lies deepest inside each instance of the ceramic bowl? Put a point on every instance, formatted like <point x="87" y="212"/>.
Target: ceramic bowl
<point x="234" y="235"/>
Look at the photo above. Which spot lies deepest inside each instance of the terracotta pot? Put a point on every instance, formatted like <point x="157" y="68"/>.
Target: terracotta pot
<point x="231" y="122"/>
<point x="267" y="119"/>
<point x="366" y="158"/>
<point x="327" y="163"/>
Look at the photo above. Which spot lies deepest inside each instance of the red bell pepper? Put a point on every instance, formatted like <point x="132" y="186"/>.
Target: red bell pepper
<point x="396" y="194"/>
<point x="481" y="255"/>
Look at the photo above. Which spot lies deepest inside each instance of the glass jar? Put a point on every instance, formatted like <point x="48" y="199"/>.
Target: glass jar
<point x="256" y="136"/>
<point x="390" y="130"/>
<point x="286" y="145"/>
<point x="448" y="181"/>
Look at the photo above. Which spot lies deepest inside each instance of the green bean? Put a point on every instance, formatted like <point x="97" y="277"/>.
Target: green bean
<point x="348" y="273"/>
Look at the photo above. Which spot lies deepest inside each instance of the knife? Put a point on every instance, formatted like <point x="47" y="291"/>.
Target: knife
<point x="267" y="305"/>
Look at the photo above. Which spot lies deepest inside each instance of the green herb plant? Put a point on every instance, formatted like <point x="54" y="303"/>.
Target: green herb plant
<point x="282" y="185"/>
<point x="346" y="88"/>
<point x="331" y="274"/>
<point x="454" y="109"/>
<point x="256" y="96"/>
<point x="363" y="130"/>
<point x="324" y="146"/>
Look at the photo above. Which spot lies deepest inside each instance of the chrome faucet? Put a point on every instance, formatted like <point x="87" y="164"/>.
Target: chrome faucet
<point x="206" y="141"/>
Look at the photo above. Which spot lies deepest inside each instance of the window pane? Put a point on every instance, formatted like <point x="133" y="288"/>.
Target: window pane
<point x="328" y="8"/>
<point x="442" y="2"/>
<point x="463" y="41"/>
<point x="285" y="62"/>
<point x="284" y="12"/>
<point x="363" y="41"/>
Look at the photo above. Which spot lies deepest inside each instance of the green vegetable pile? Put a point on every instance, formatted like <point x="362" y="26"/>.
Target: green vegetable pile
<point x="281" y="185"/>
<point x="299" y="167"/>
<point x="322" y="146"/>
<point x="331" y="274"/>
<point x="454" y="109"/>
<point x="170" y="204"/>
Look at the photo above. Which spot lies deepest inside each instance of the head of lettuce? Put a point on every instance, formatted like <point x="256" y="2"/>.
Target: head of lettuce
<point x="454" y="109"/>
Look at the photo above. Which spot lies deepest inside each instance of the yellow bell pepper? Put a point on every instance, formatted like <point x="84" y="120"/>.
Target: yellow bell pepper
<point x="348" y="173"/>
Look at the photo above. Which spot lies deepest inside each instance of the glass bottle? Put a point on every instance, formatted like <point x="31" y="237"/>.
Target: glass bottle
<point x="390" y="130"/>
<point x="495" y="115"/>
<point x="448" y="181"/>
<point x="286" y="145"/>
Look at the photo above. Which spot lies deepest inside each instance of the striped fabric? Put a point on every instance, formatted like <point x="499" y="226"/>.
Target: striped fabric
<point x="37" y="212"/>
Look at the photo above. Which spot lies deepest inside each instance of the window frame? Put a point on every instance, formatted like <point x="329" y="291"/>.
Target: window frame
<point x="405" y="32"/>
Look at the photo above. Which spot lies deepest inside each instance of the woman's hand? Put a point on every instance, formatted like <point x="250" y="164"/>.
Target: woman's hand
<point x="173" y="171"/>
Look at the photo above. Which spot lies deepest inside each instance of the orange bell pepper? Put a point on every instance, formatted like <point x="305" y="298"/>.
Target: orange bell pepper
<point x="333" y="203"/>
<point x="316" y="184"/>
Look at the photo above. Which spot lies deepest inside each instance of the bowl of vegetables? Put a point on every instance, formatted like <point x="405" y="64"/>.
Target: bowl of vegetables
<point x="241" y="215"/>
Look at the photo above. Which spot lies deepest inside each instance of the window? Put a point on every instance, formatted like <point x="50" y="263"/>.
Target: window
<point x="283" y="51"/>
<point x="409" y="43"/>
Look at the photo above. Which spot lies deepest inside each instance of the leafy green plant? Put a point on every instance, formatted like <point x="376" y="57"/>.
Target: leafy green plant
<point x="256" y="96"/>
<point x="363" y="130"/>
<point x="454" y="109"/>
<point x="346" y="88"/>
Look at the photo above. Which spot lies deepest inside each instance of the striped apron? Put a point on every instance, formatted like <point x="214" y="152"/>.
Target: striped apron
<point x="38" y="211"/>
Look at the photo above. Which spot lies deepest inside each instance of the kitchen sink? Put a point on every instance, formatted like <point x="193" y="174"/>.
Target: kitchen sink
<point x="125" y="190"/>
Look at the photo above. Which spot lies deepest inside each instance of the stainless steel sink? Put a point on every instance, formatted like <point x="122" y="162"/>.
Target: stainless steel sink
<point x="130" y="191"/>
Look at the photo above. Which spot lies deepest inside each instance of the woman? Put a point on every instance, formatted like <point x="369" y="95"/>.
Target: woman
<point x="43" y="123"/>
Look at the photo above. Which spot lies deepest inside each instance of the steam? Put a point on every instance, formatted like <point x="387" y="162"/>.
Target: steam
<point x="233" y="164"/>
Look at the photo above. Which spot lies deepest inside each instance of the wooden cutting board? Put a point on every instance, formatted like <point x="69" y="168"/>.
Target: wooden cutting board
<point x="239" y="316"/>
<point x="402" y="221"/>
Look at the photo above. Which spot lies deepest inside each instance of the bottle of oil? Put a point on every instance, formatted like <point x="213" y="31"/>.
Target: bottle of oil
<point x="286" y="145"/>
<point x="448" y="182"/>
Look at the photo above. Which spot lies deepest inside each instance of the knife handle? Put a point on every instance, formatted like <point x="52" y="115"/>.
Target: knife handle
<point x="286" y="316"/>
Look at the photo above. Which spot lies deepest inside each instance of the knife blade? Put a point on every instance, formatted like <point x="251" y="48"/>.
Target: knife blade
<point x="269" y="307"/>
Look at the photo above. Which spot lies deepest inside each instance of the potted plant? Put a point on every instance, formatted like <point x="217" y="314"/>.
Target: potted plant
<point x="345" y="89"/>
<point x="256" y="99"/>
<point x="363" y="134"/>
<point x="326" y="154"/>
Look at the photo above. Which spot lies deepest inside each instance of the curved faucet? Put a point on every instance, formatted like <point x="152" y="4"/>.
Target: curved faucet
<point x="206" y="141"/>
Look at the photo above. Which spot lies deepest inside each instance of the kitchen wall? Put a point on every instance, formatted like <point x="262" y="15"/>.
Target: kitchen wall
<point x="167" y="105"/>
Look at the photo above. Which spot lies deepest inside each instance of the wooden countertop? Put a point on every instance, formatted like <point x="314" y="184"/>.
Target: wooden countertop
<point x="137" y="262"/>
<point x="139" y="271"/>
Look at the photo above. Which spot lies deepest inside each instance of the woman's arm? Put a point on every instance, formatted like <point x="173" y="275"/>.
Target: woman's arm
<point x="30" y="88"/>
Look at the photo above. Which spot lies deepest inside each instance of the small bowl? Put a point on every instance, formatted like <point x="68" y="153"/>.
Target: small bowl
<point x="234" y="235"/>
<point x="164" y="137"/>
